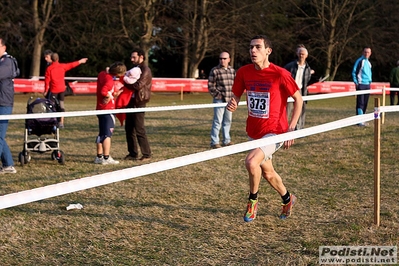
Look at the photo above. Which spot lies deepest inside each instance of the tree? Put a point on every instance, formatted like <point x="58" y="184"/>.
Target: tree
<point x="137" y="20"/>
<point x="205" y="28"/>
<point x="193" y="33"/>
<point x="267" y="18"/>
<point x="180" y="35"/>
<point x="42" y="15"/>
<point x="15" y="29"/>
<point x="335" y="29"/>
<point x="384" y="42"/>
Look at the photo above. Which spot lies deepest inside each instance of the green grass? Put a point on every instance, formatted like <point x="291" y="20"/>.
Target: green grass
<point x="193" y="215"/>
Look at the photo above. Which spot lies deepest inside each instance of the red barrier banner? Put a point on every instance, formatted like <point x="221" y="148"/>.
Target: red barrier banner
<point x="180" y="85"/>
<point x="28" y="85"/>
<point x="340" y="86"/>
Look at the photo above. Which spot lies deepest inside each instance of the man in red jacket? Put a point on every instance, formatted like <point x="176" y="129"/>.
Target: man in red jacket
<point x="54" y="80"/>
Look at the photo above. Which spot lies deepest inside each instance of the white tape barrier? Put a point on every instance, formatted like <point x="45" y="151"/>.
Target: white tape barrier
<point x="389" y="108"/>
<point x="166" y="108"/>
<point x="68" y="78"/>
<point x="63" y="188"/>
<point x="335" y="95"/>
<point x="115" y="111"/>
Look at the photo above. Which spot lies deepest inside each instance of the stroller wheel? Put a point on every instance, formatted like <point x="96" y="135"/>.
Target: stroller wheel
<point x="59" y="156"/>
<point x="54" y="155"/>
<point x="21" y="158"/>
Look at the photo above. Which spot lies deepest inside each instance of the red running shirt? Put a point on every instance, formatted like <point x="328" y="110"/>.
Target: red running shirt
<point x="267" y="93"/>
<point x="105" y="87"/>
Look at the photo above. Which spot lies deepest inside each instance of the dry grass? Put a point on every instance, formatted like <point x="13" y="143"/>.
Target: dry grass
<point x="193" y="215"/>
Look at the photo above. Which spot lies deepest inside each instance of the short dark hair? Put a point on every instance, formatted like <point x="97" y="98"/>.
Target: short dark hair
<point x="47" y="52"/>
<point x="117" y="69"/>
<point x="54" y="57"/>
<point x="139" y="51"/>
<point x="265" y="39"/>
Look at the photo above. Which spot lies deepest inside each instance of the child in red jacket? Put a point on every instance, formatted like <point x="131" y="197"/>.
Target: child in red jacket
<point x="106" y="101"/>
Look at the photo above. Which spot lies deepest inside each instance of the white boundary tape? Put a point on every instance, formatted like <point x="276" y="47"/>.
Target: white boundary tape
<point x="167" y="108"/>
<point x="58" y="189"/>
<point x="27" y="196"/>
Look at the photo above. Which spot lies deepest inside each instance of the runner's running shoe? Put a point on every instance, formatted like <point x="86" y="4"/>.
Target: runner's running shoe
<point x="287" y="208"/>
<point x="252" y="208"/>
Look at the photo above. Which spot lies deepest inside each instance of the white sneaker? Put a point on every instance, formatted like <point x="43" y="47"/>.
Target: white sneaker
<point x="99" y="160"/>
<point x="8" y="170"/>
<point x="110" y="160"/>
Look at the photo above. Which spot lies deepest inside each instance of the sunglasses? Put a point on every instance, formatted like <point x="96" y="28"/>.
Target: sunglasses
<point x="223" y="58"/>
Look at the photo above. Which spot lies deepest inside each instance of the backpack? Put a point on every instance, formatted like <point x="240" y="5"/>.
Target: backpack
<point x="15" y="69"/>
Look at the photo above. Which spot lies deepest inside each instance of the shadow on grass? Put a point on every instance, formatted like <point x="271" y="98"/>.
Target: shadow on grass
<point x="148" y="218"/>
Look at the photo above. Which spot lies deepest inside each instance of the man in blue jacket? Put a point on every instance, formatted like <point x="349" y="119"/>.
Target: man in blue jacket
<point x="6" y="105"/>
<point x="362" y="77"/>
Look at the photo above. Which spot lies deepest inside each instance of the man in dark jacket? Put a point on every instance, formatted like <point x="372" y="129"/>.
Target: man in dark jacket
<point x="134" y="127"/>
<point x="6" y="105"/>
<point x="47" y="57"/>
<point x="301" y="72"/>
<point x="394" y="83"/>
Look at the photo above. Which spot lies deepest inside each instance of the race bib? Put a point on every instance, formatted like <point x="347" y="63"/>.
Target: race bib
<point x="258" y="104"/>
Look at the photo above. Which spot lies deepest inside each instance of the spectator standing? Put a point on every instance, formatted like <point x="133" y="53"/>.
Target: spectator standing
<point x="268" y="88"/>
<point x="220" y="82"/>
<point x="302" y="73"/>
<point x="47" y="57"/>
<point x="202" y="74"/>
<point x="394" y="83"/>
<point x="6" y="106"/>
<point x="136" y="134"/>
<point x="362" y="77"/>
<point x="54" y="80"/>
<point x="105" y="101"/>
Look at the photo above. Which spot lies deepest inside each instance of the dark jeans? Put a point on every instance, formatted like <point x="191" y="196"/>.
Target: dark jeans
<point x="393" y="93"/>
<point x="362" y="100"/>
<point x="136" y="133"/>
<point x="5" y="153"/>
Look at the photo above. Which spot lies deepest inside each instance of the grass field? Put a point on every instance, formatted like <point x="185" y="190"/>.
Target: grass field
<point x="193" y="215"/>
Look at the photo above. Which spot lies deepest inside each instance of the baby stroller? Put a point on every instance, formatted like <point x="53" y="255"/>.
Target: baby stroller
<point x="40" y="127"/>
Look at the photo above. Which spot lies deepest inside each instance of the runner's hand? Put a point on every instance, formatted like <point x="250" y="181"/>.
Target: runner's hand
<point x="232" y="105"/>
